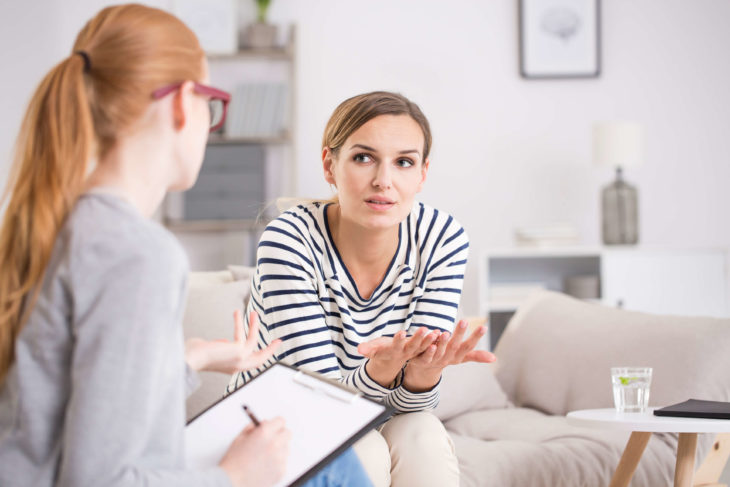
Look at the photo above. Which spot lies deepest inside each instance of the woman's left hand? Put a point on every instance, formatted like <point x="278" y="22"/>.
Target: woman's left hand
<point x="228" y="356"/>
<point x="424" y="371"/>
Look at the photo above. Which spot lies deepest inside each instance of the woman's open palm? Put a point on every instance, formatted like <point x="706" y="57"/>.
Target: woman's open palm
<point x="230" y="357"/>
<point x="453" y="349"/>
<point x="398" y="349"/>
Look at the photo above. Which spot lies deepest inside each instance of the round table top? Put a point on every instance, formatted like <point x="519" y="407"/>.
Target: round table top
<point x="610" y="419"/>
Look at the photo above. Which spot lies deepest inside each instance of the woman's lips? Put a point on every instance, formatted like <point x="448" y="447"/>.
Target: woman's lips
<point x="379" y="205"/>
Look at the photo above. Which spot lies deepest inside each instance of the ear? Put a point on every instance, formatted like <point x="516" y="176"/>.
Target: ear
<point x="328" y="162"/>
<point x="181" y="105"/>
<point x="424" y="173"/>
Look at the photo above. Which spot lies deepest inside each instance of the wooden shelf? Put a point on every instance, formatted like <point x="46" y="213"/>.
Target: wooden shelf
<point x="216" y="225"/>
<point x="276" y="53"/>
<point x="270" y="54"/>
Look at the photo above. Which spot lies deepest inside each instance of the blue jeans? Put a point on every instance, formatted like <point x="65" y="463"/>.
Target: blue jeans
<point x="344" y="471"/>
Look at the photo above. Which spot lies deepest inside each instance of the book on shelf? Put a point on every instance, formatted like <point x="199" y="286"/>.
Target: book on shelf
<point x="546" y="235"/>
<point x="258" y="110"/>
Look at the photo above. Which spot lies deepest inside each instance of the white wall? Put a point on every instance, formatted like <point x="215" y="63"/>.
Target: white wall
<point x="25" y="58"/>
<point x="507" y="151"/>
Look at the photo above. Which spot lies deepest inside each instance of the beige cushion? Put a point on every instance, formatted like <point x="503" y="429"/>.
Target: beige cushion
<point x="556" y="353"/>
<point x="212" y="298"/>
<point x="469" y="387"/>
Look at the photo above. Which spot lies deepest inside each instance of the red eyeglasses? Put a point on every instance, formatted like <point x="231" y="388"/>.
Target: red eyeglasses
<point x="217" y="101"/>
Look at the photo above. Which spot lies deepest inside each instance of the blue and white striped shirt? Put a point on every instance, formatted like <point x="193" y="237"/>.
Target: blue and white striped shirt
<point x="305" y="296"/>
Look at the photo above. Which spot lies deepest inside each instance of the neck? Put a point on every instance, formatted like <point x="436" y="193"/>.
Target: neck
<point x="134" y="168"/>
<point x="362" y="249"/>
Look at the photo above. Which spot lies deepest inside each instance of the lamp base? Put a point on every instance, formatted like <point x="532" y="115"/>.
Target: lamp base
<point x="620" y="212"/>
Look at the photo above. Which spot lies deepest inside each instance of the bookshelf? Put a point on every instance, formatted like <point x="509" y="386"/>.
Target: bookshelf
<point x="251" y="162"/>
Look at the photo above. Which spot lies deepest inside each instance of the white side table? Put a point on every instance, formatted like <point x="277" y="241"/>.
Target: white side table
<point x="642" y="425"/>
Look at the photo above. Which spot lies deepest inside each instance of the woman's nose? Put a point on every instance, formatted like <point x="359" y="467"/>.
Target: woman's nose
<point x="382" y="176"/>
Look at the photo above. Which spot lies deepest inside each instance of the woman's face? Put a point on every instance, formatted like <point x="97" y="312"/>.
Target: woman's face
<point x="378" y="171"/>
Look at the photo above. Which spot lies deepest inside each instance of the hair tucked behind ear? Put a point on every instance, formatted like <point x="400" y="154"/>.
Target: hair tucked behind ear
<point x="75" y="116"/>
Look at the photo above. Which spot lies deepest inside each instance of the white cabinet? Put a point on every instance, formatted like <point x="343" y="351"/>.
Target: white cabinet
<point x="656" y="280"/>
<point x="678" y="282"/>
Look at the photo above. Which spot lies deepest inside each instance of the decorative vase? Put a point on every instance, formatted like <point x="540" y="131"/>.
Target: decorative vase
<point x="259" y="35"/>
<point x="620" y="210"/>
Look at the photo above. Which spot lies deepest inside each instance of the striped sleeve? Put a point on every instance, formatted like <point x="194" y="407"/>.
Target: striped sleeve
<point x="442" y="278"/>
<point x="284" y="294"/>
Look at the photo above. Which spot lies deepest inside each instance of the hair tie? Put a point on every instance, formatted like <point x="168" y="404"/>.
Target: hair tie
<point x="87" y="60"/>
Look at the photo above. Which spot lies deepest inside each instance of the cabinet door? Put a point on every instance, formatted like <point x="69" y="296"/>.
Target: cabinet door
<point x="666" y="282"/>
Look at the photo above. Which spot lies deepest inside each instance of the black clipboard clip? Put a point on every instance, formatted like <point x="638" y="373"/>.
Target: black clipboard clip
<point x="321" y="385"/>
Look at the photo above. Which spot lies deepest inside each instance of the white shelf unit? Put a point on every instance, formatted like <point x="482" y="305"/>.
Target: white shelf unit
<point x="267" y="167"/>
<point x="677" y="281"/>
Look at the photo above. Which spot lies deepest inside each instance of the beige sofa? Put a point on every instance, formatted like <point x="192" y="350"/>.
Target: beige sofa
<point x="507" y="420"/>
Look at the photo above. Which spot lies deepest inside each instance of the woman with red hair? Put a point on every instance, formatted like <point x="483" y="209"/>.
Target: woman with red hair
<point x="92" y="359"/>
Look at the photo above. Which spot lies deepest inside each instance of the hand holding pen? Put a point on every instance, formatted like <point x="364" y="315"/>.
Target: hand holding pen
<point x="258" y="454"/>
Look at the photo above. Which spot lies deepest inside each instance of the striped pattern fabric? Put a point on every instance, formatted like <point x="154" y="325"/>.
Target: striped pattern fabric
<point x="305" y="296"/>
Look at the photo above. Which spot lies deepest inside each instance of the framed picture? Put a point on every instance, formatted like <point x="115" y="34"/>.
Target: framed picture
<point x="560" y="38"/>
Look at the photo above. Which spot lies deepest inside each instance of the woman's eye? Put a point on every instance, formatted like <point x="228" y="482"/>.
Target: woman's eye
<point x="362" y="158"/>
<point x="405" y="162"/>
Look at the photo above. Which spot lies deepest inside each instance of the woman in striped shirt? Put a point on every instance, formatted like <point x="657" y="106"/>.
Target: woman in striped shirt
<point x="365" y="288"/>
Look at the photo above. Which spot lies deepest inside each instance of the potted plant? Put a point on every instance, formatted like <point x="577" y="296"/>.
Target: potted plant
<point x="260" y="33"/>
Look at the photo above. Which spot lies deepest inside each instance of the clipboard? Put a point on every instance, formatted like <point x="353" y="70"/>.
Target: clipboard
<point x="324" y="416"/>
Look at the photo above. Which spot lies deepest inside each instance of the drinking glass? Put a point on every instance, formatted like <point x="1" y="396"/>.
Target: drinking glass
<point x="631" y="388"/>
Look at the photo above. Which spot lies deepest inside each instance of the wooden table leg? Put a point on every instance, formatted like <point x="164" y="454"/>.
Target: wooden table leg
<point x="685" y="469"/>
<point x="630" y="459"/>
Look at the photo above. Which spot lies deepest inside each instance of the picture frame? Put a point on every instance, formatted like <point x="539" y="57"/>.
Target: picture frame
<point x="559" y="38"/>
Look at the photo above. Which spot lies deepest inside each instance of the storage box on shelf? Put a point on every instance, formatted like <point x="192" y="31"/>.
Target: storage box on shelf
<point x="682" y="281"/>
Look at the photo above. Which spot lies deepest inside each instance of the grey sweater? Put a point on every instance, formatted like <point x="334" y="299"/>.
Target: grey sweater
<point x="96" y="393"/>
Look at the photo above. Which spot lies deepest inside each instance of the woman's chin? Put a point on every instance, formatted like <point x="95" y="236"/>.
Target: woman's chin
<point x="383" y="221"/>
<point x="183" y="184"/>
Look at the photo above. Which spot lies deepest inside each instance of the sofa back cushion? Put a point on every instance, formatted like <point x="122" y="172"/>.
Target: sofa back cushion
<point x="556" y="353"/>
<point x="212" y="298"/>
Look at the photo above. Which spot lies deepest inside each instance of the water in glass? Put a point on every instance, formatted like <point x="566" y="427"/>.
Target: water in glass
<point x="631" y="388"/>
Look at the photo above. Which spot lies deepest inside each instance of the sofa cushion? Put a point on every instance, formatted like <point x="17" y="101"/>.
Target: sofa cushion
<point x="518" y="447"/>
<point x="212" y="298"/>
<point x="469" y="387"/>
<point x="556" y="353"/>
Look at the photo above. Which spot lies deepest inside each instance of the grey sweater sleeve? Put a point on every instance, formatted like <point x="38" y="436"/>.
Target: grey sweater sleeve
<point x="124" y="422"/>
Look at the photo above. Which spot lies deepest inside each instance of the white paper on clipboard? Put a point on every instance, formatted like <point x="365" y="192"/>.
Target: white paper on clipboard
<point x="321" y="416"/>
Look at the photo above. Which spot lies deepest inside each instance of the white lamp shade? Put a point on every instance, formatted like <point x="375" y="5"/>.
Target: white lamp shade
<point x="618" y="144"/>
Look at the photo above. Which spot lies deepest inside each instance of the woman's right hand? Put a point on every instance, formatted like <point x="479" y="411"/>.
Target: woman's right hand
<point x="230" y="357"/>
<point x="257" y="457"/>
<point x="387" y="355"/>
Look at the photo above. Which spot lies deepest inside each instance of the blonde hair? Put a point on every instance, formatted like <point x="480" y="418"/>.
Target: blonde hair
<point x="76" y="114"/>
<point x="355" y="112"/>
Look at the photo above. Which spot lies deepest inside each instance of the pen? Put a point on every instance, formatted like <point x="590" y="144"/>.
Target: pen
<point x="254" y="420"/>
